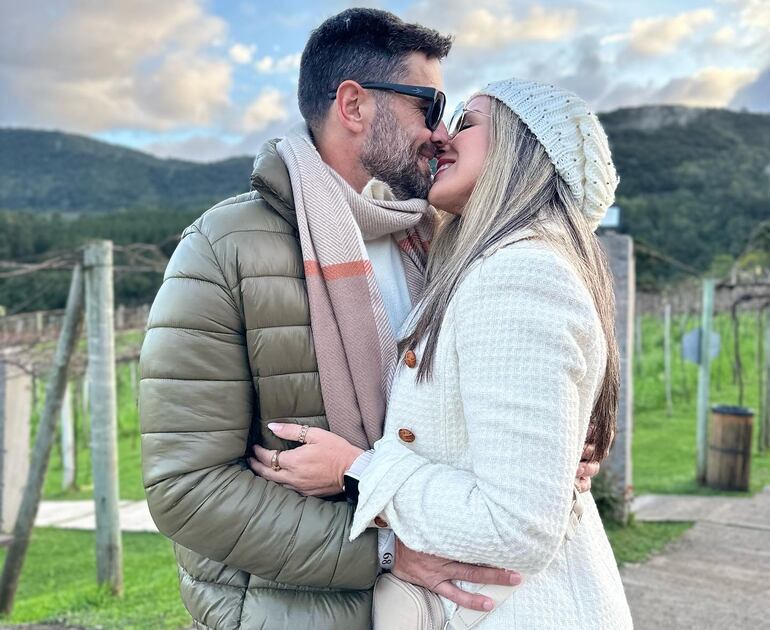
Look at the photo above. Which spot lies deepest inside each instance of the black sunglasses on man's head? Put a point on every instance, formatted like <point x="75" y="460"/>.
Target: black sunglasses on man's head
<point x="436" y="97"/>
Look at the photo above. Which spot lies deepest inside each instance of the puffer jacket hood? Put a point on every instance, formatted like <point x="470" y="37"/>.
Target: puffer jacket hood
<point x="270" y="178"/>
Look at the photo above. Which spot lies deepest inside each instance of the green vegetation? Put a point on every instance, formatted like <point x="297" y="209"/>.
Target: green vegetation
<point x="664" y="462"/>
<point x="663" y="446"/>
<point x="59" y="584"/>
<point x="129" y="455"/>
<point x="50" y="171"/>
<point x="694" y="184"/>
<point x="25" y="237"/>
<point x="638" y="541"/>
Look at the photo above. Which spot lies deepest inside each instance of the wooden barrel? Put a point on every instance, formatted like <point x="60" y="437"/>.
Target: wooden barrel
<point x="729" y="455"/>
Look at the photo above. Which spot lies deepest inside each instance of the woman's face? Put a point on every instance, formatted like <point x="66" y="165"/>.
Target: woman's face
<point x="460" y="162"/>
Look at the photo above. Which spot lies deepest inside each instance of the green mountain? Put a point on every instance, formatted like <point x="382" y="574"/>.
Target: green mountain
<point x="50" y="171"/>
<point x="694" y="183"/>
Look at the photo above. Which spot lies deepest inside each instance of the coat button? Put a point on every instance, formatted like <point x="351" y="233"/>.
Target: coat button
<point x="406" y="435"/>
<point x="410" y="358"/>
<point x="380" y="522"/>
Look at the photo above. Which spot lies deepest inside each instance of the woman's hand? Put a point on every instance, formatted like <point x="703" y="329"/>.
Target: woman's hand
<point x="586" y="470"/>
<point x="315" y="469"/>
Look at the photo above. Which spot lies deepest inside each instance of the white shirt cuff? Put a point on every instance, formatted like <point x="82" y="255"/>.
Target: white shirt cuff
<point x="359" y="465"/>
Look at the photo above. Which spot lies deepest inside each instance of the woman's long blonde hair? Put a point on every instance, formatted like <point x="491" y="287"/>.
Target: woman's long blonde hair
<point x="519" y="189"/>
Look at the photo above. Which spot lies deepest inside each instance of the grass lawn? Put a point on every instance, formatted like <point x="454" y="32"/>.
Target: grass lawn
<point x="59" y="584"/>
<point x="638" y="541"/>
<point x="129" y="454"/>
<point x="664" y="446"/>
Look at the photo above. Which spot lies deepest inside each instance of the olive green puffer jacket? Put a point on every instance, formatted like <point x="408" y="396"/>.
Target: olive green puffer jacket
<point x="229" y="349"/>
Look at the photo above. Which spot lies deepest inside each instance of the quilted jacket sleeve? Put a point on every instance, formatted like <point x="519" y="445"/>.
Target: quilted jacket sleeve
<point x="522" y="324"/>
<point x="197" y="402"/>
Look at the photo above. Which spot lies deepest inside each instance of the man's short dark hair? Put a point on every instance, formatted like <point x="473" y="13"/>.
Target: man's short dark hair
<point x="359" y="45"/>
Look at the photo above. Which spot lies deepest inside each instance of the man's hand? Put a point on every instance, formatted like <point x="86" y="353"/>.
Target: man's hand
<point x="314" y="469"/>
<point x="586" y="469"/>
<point x="436" y="574"/>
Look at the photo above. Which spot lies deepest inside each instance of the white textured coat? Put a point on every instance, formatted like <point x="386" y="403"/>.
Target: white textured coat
<point x="499" y="432"/>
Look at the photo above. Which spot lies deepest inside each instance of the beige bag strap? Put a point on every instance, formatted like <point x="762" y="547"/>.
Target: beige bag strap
<point x="465" y="619"/>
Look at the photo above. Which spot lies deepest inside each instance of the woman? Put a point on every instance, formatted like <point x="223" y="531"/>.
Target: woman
<point x="508" y="360"/>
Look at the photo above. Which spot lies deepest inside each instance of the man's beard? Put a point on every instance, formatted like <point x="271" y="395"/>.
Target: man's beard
<point x="389" y="157"/>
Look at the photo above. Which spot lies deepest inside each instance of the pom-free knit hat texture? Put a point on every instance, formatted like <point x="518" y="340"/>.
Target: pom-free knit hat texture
<point x="572" y="137"/>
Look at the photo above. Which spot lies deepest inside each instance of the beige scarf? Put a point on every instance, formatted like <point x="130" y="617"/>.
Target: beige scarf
<point x="354" y="343"/>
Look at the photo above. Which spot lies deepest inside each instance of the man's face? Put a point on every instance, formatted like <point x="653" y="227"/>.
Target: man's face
<point x="399" y="146"/>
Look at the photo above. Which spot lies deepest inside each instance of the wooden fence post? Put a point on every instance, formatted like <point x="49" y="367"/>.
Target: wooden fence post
<point x="46" y="431"/>
<point x="638" y="344"/>
<point x="617" y="468"/>
<point x="704" y="373"/>
<point x="15" y="415"/>
<point x="85" y="415"/>
<point x="764" y="421"/>
<point x="667" y="356"/>
<point x="133" y="369"/>
<point x="100" y="324"/>
<point x="68" y="447"/>
<point x="682" y="327"/>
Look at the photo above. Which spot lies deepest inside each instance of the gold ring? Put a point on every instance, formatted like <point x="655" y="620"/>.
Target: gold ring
<point x="274" y="461"/>
<point x="303" y="433"/>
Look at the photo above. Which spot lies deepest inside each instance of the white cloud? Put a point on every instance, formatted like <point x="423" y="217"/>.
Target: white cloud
<point x="755" y="96"/>
<point x="185" y="88"/>
<point x="90" y="66"/>
<point x="710" y="87"/>
<point x="486" y="25"/>
<point x="615" y="37"/>
<point x="485" y="29"/>
<point x="753" y="17"/>
<point x="754" y="14"/>
<point x="723" y="37"/>
<point x="267" y="108"/>
<point x="197" y="148"/>
<point x="650" y="37"/>
<point x="241" y="53"/>
<point x="206" y="148"/>
<point x="270" y="65"/>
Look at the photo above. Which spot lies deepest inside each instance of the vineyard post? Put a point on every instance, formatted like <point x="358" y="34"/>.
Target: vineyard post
<point x="667" y="356"/>
<point x="44" y="439"/>
<point x="100" y="327"/>
<point x="765" y="376"/>
<point x="704" y="372"/>
<point x="68" y="448"/>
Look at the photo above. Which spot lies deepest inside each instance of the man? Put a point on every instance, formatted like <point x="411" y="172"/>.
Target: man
<point x="229" y="348"/>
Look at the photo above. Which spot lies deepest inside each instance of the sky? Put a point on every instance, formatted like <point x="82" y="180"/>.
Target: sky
<point x="207" y="79"/>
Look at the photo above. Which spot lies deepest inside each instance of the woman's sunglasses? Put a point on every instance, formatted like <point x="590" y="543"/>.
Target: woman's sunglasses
<point x="457" y="122"/>
<point x="437" y="98"/>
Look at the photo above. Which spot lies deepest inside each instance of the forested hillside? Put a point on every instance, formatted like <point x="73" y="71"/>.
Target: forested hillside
<point x="694" y="184"/>
<point x="50" y="171"/>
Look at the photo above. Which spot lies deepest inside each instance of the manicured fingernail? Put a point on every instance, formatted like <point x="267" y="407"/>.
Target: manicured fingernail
<point x="488" y="605"/>
<point x="514" y="579"/>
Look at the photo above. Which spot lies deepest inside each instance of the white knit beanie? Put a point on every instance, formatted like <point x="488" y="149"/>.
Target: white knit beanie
<point x="572" y="137"/>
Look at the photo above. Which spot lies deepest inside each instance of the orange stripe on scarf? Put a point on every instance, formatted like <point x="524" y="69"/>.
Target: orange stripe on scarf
<point x="339" y="271"/>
